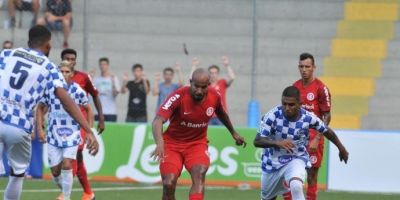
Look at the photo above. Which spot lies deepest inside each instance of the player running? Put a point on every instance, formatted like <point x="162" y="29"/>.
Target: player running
<point x="284" y="133"/>
<point x="26" y="74"/>
<point x="185" y="143"/>
<point x="85" y="82"/>
<point x="315" y="97"/>
<point x="63" y="133"/>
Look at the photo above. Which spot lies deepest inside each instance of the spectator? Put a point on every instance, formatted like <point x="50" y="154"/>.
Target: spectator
<point x="138" y="90"/>
<point x="219" y="84"/>
<point x="7" y="44"/>
<point x="58" y="16"/>
<point x="108" y="86"/>
<point x="23" y="5"/>
<point x="167" y="87"/>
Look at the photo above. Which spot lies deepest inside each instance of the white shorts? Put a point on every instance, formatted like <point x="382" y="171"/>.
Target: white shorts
<point x="17" y="144"/>
<point x="56" y="154"/>
<point x="276" y="183"/>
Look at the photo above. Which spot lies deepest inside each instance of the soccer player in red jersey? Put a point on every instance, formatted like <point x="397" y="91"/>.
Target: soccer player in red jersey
<point x="315" y="97"/>
<point x="85" y="82"/>
<point x="185" y="143"/>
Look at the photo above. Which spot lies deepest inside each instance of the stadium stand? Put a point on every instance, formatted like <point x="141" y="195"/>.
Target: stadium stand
<point x="359" y="66"/>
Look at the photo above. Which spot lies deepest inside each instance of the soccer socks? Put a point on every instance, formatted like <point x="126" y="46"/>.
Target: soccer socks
<point x="197" y="196"/>
<point x="296" y="188"/>
<point x="82" y="176"/>
<point x="67" y="181"/>
<point x="14" y="188"/>
<point x="312" y="192"/>
<point x="287" y="196"/>
<point x="58" y="181"/>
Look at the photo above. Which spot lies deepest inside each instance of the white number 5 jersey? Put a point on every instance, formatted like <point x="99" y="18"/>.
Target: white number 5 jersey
<point x="25" y="74"/>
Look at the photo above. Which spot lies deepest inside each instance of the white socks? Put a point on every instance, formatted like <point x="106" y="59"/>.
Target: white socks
<point x="67" y="181"/>
<point x="14" y="188"/>
<point x="296" y="188"/>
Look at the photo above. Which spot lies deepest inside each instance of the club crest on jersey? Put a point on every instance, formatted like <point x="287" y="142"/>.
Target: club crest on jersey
<point x="210" y="111"/>
<point x="313" y="159"/>
<point x="310" y="96"/>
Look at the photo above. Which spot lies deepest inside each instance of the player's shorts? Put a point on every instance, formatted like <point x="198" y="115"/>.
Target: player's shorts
<point x="56" y="154"/>
<point x="175" y="157"/>
<point x="276" y="183"/>
<point x="17" y="144"/>
<point x="316" y="157"/>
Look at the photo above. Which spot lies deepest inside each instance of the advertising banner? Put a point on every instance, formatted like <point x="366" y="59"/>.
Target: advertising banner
<point x="125" y="151"/>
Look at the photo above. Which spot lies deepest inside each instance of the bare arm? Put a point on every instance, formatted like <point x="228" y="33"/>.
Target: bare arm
<point x="158" y="153"/>
<point x="41" y="110"/>
<point x="180" y="74"/>
<point x="90" y="115"/>
<point x="115" y="91"/>
<point x="265" y="142"/>
<point x="331" y="135"/>
<point x="326" y="117"/>
<point x="231" y="73"/>
<point x="97" y="104"/>
<point x="73" y="110"/>
<point x="124" y="87"/>
<point x="223" y="116"/>
<point x="146" y="84"/>
<point x="195" y="65"/>
<point x="156" y="90"/>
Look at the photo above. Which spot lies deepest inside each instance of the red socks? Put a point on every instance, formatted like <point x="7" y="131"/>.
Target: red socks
<point x="287" y="196"/>
<point x="82" y="176"/>
<point x="312" y="192"/>
<point x="197" y="196"/>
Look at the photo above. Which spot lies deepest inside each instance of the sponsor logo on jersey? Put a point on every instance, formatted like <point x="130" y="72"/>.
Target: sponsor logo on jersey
<point x="310" y="96"/>
<point x="30" y="57"/>
<point x="193" y="125"/>
<point x="309" y="107"/>
<point x="64" y="131"/>
<point x="285" y="159"/>
<point x="170" y="101"/>
<point x="210" y="111"/>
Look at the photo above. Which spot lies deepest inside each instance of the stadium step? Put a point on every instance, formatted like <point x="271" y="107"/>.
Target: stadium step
<point x="349" y="86"/>
<point x="345" y="122"/>
<point x="373" y="11"/>
<point x="366" y="30"/>
<point x="359" y="48"/>
<point x="353" y="67"/>
<point x="350" y="105"/>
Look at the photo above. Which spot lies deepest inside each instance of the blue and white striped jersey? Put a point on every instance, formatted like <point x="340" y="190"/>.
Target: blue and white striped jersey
<point x="25" y="74"/>
<point x="276" y="127"/>
<point x="62" y="130"/>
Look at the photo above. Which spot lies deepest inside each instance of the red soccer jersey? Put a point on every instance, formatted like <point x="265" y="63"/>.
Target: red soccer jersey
<point x="85" y="82"/>
<point x="188" y="118"/>
<point x="315" y="97"/>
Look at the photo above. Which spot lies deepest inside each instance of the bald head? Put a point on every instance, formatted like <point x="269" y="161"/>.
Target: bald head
<point x="199" y="84"/>
<point x="200" y="74"/>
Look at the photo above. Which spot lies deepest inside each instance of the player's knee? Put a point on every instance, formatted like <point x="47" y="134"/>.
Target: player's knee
<point x="296" y="186"/>
<point x="198" y="172"/>
<point x="169" y="182"/>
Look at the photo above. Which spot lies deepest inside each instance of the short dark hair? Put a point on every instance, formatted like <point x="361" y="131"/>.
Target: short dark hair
<point x="104" y="59"/>
<point x="38" y="35"/>
<point x="291" y="91"/>
<point x="168" y="69"/>
<point x="7" y="42"/>
<point x="136" y="66"/>
<point x="213" y="67"/>
<point x="68" y="51"/>
<point x="304" y="56"/>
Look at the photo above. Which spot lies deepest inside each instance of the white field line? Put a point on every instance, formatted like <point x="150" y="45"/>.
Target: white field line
<point x="116" y="189"/>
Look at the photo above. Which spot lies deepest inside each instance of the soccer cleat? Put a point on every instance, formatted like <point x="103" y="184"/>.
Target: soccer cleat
<point x="60" y="197"/>
<point x="86" y="196"/>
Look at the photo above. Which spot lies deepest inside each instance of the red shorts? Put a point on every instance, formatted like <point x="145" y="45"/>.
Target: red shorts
<point x="316" y="157"/>
<point x="188" y="155"/>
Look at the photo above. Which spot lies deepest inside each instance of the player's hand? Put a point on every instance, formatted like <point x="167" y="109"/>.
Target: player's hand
<point x="343" y="155"/>
<point x="101" y="126"/>
<point x="195" y="62"/>
<point x="42" y="136"/>
<point x="157" y="76"/>
<point x="286" y="144"/>
<point x="225" y="61"/>
<point x="312" y="148"/>
<point x="177" y="67"/>
<point x="125" y="77"/>
<point x="239" y="140"/>
<point x="144" y="77"/>
<point x="91" y="143"/>
<point x="158" y="153"/>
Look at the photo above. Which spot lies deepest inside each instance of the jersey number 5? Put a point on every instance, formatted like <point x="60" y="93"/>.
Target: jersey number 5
<point x="21" y="74"/>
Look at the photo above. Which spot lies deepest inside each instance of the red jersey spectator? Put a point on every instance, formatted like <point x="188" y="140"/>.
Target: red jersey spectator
<point x="184" y="143"/>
